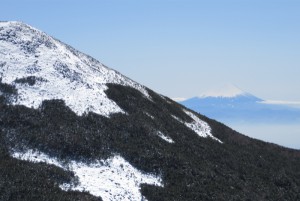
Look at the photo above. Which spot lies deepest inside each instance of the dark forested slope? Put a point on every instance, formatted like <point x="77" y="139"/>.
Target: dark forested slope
<point x="192" y="168"/>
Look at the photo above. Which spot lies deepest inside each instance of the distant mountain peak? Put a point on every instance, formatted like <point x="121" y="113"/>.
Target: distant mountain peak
<point x="227" y="91"/>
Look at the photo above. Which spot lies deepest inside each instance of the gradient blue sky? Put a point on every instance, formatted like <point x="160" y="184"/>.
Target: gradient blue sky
<point x="180" y="48"/>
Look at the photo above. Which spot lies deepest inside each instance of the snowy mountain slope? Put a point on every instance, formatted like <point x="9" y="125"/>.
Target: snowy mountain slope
<point x="57" y="70"/>
<point x="73" y="129"/>
<point x="112" y="179"/>
<point x="40" y="68"/>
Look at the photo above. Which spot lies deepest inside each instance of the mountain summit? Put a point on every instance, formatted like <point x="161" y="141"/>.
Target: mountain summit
<point x="232" y="105"/>
<point x="228" y="91"/>
<point x="73" y="129"/>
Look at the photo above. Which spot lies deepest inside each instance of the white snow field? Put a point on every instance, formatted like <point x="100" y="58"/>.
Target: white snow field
<point x="113" y="179"/>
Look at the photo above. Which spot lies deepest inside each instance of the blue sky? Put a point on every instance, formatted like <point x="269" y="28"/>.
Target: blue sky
<point x="180" y="48"/>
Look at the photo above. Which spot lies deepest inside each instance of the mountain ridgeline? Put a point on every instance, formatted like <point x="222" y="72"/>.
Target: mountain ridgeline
<point x="73" y="129"/>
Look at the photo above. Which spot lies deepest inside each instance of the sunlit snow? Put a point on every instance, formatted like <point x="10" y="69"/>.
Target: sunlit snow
<point x="149" y="115"/>
<point x="111" y="179"/>
<point x="165" y="137"/>
<point x="198" y="126"/>
<point x="64" y="73"/>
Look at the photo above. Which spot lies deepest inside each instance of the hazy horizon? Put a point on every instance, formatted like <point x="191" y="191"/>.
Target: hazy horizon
<point x="286" y="135"/>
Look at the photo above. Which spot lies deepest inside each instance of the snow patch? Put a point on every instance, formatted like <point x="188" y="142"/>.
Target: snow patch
<point x="110" y="179"/>
<point x="36" y="157"/>
<point x="149" y="115"/>
<point x="198" y="126"/>
<point x="165" y="137"/>
<point x="72" y="76"/>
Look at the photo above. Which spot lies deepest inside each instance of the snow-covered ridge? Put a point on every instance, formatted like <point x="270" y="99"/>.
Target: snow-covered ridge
<point x="198" y="126"/>
<point x="67" y="74"/>
<point x="111" y="179"/>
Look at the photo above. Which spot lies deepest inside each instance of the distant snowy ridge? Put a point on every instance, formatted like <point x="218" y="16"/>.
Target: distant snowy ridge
<point x="111" y="179"/>
<point x="59" y="71"/>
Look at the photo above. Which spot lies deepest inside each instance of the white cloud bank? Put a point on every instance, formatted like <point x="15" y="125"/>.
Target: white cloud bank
<point x="281" y="102"/>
